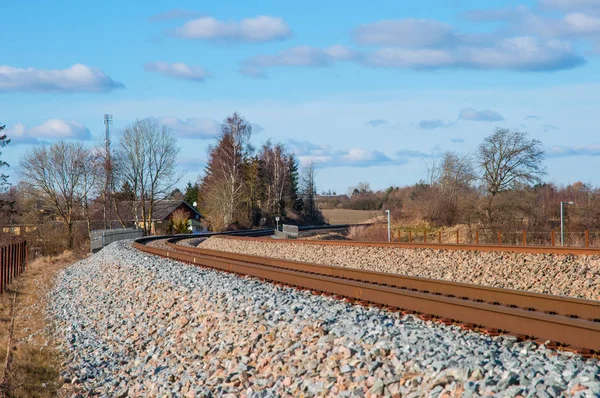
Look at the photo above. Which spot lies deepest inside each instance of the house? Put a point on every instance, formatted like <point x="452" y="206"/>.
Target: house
<point x="130" y="212"/>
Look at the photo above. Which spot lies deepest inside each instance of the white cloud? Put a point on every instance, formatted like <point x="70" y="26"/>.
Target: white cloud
<point x="474" y="115"/>
<point x="323" y="156"/>
<point x="582" y="24"/>
<point x="178" y="70"/>
<point x="192" y="128"/>
<point x="404" y="33"/>
<point x="260" y="29"/>
<point x="77" y="78"/>
<point x="515" y="53"/>
<point x="523" y="53"/>
<point x="52" y="129"/>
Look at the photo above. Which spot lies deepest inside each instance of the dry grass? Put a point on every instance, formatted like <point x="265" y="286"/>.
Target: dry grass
<point x="34" y="368"/>
<point x="345" y="216"/>
<point x="375" y="233"/>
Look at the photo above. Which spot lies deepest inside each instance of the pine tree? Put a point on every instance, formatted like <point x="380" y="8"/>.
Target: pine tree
<point x="191" y="193"/>
<point x="293" y="198"/>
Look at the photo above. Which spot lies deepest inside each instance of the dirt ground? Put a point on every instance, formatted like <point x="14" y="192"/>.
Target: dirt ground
<point x="33" y="368"/>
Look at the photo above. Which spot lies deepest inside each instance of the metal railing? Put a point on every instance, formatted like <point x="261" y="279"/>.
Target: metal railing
<point x="102" y="237"/>
<point x="13" y="259"/>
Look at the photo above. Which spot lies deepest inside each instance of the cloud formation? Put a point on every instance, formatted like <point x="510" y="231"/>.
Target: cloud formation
<point x="538" y="42"/>
<point x="176" y="13"/>
<point x="259" y="29"/>
<point x="323" y="156"/>
<point x="564" y="151"/>
<point x="457" y="140"/>
<point x="178" y="70"/>
<point x="532" y="117"/>
<point x="52" y="129"/>
<point x="192" y="128"/>
<point x="485" y="115"/>
<point x="77" y="78"/>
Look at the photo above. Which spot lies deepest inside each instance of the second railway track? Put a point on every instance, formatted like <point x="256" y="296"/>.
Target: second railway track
<point x="566" y="322"/>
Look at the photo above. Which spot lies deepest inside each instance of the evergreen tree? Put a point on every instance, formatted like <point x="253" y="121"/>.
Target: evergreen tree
<point x="294" y="200"/>
<point x="126" y="193"/>
<point x="191" y="193"/>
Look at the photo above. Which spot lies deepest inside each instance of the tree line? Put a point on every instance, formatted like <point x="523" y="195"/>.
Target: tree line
<point x="242" y="187"/>
<point x="499" y="187"/>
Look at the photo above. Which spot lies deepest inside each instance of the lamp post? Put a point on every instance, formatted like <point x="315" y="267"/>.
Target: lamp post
<point x="389" y="228"/>
<point x="277" y="221"/>
<point x="562" y="222"/>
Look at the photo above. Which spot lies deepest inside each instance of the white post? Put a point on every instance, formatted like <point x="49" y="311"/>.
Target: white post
<point x="277" y="221"/>
<point x="562" y="229"/>
<point x="389" y="227"/>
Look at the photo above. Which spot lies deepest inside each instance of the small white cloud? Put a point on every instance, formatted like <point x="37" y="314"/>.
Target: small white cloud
<point x="178" y="70"/>
<point x="77" y="78"/>
<point x="485" y="115"/>
<point x="52" y="129"/>
<point x="260" y="29"/>
<point x="192" y="128"/>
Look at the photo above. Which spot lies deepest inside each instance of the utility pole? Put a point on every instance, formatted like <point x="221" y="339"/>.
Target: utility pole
<point x="107" y="171"/>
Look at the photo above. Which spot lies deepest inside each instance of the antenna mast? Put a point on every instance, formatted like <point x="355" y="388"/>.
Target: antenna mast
<point x="108" y="188"/>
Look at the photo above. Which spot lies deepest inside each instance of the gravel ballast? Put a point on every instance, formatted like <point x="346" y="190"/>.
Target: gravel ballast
<point x="568" y="275"/>
<point x="132" y="324"/>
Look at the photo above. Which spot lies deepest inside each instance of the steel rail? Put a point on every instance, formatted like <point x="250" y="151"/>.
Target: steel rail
<point x="438" y="246"/>
<point x="574" y="333"/>
<point x="553" y="304"/>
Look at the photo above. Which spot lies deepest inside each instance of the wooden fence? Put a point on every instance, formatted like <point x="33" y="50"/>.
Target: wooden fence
<point x="13" y="259"/>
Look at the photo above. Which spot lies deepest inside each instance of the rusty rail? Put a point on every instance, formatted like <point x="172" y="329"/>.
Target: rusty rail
<point x="13" y="260"/>
<point x="496" y="310"/>
<point x="440" y="246"/>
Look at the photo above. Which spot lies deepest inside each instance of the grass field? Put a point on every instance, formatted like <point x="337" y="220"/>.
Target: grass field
<point x="343" y="216"/>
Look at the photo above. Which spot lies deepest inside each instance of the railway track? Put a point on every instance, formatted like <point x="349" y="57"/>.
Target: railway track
<point x="559" y="322"/>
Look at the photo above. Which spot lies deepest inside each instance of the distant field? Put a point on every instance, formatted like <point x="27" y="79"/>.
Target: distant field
<point x="343" y="216"/>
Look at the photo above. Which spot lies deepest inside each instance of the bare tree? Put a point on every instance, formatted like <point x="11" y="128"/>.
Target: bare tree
<point x="309" y="193"/>
<point x="509" y="160"/>
<point x="148" y="152"/>
<point x="456" y="174"/>
<point x="91" y="173"/>
<point x="224" y="184"/>
<point x="274" y="172"/>
<point x="57" y="173"/>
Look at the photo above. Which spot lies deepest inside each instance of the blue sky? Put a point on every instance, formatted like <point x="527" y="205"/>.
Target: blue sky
<point x="369" y="91"/>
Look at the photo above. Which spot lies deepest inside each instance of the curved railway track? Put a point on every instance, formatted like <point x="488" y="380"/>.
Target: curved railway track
<point x="560" y="322"/>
